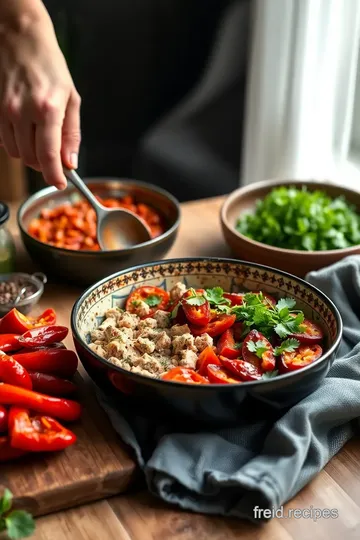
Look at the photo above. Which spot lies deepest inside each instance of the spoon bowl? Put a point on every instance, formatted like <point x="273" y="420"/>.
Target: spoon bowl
<point x="117" y="228"/>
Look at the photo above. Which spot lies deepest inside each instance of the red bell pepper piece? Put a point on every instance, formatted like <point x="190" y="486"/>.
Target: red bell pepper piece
<point x="9" y="342"/>
<point x="32" y="349"/>
<point x="61" y="362"/>
<point x="184" y="375"/>
<point x="196" y="313"/>
<point x="244" y="370"/>
<point x="215" y="327"/>
<point x="236" y="299"/>
<point x="7" y="452"/>
<point x="206" y="357"/>
<point x="226" y="345"/>
<point x="38" y="433"/>
<point x="219" y="375"/>
<point x="51" y="385"/>
<point x="15" y="322"/>
<point x="3" y="419"/>
<point x="62" y="408"/>
<point x="12" y="372"/>
<point x="45" y="335"/>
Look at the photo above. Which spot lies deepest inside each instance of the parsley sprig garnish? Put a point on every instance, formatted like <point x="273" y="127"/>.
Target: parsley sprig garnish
<point x="17" y="523"/>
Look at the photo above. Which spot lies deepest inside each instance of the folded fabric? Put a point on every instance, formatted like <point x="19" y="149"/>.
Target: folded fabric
<point x="263" y="464"/>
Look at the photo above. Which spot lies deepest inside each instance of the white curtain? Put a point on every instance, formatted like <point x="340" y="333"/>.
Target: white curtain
<point x="301" y="87"/>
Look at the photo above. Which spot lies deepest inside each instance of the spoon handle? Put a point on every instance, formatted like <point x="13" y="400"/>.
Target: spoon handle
<point x="82" y="187"/>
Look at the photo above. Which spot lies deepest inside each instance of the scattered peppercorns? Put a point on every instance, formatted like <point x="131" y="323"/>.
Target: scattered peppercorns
<point x="10" y="289"/>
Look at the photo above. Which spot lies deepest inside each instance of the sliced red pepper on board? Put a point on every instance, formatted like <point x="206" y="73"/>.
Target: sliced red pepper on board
<point x="62" y="408"/>
<point x="184" y="375"/>
<point x="45" y="335"/>
<point x="44" y="348"/>
<point x="9" y="342"/>
<point x="37" y="433"/>
<point x="259" y="342"/>
<point x="12" y="372"/>
<point x="199" y="315"/>
<point x="303" y="356"/>
<point x="7" y="452"/>
<point x="236" y="299"/>
<point x="4" y="415"/>
<point x="312" y="333"/>
<point x="51" y="385"/>
<point x="61" y="362"/>
<point x="219" y="375"/>
<point x="215" y="327"/>
<point x="15" y="322"/>
<point x="226" y="345"/>
<point x="206" y="357"/>
<point x="244" y="370"/>
<point x="155" y="297"/>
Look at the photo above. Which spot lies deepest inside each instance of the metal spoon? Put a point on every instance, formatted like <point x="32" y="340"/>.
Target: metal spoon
<point x="117" y="228"/>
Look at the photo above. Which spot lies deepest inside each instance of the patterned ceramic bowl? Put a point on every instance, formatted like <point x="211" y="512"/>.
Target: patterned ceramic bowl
<point x="217" y="403"/>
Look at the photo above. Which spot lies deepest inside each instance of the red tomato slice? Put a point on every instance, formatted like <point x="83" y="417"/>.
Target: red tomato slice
<point x="238" y="329"/>
<point x="197" y="315"/>
<point x="155" y="297"/>
<point x="267" y="361"/>
<point x="236" y="299"/>
<point x="206" y="357"/>
<point x="219" y="375"/>
<point x="215" y="327"/>
<point x="184" y="375"/>
<point x="312" y="333"/>
<point x="301" y="357"/>
<point x="226" y="345"/>
<point x="244" y="370"/>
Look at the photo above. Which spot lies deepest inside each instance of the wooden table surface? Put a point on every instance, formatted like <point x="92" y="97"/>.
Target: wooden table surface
<point x="138" y="516"/>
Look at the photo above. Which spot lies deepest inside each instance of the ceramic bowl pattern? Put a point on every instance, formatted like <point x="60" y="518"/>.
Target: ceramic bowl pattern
<point x="231" y="275"/>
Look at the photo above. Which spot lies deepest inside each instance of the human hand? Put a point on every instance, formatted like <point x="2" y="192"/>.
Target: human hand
<point x="39" y="104"/>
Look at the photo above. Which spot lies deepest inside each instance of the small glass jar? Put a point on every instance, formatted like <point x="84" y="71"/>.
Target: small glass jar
<point x="7" y="245"/>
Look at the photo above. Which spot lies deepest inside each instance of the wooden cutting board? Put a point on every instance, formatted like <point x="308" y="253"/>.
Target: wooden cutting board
<point x="96" y="467"/>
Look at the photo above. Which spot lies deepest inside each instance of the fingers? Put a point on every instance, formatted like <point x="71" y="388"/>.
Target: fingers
<point x="8" y="139"/>
<point x="48" y="146"/>
<point x="71" y="135"/>
<point x="25" y="140"/>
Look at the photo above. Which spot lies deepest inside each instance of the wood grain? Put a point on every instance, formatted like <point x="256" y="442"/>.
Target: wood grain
<point x="139" y="516"/>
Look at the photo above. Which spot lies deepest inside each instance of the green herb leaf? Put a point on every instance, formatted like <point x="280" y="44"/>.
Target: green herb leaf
<point x="270" y="374"/>
<point x="6" y="501"/>
<point x="195" y="300"/>
<point x="174" y="312"/>
<point x="216" y="296"/>
<point x="257" y="347"/>
<point x="238" y="346"/>
<point x="153" y="300"/>
<point x="289" y="345"/>
<point x="19" y="524"/>
<point x="285" y="303"/>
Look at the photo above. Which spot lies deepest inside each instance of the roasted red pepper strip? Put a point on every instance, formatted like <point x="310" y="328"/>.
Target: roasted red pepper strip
<point x="15" y="322"/>
<point x="38" y="433"/>
<point x="9" y="342"/>
<point x="62" y="408"/>
<point x="51" y="385"/>
<point x="244" y="370"/>
<point x="226" y="345"/>
<point x="60" y="362"/>
<point x="206" y="357"/>
<point x="7" y="452"/>
<point x="199" y="315"/>
<point x="45" y="335"/>
<point x="12" y="372"/>
<point x="3" y="419"/>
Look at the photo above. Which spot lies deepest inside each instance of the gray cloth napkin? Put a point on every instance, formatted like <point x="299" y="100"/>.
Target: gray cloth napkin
<point x="231" y="471"/>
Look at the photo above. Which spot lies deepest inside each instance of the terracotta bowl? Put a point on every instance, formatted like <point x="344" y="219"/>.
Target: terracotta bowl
<point x="215" y="403"/>
<point x="297" y="262"/>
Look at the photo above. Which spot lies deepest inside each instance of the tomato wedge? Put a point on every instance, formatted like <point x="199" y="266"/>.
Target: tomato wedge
<point x="244" y="370"/>
<point x="184" y="375"/>
<point x="312" y="333"/>
<point x="238" y="330"/>
<point x="199" y="315"/>
<point x="215" y="327"/>
<point x="154" y="297"/>
<point x="219" y="375"/>
<point x="226" y="345"/>
<point x="236" y="299"/>
<point x="206" y="357"/>
<point x="301" y="357"/>
<point x="258" y="351"/>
